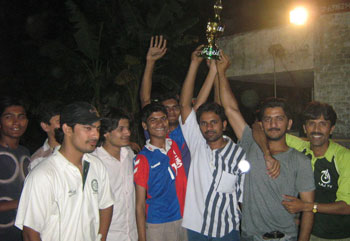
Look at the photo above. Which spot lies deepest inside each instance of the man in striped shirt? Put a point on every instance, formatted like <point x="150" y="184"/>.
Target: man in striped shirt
<point x="215" y="181"/>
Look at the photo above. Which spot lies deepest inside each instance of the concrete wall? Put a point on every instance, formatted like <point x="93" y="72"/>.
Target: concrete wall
<point x="249" y="52"/>
<point x="332" y="67"/>
<point x="322" y="48"/>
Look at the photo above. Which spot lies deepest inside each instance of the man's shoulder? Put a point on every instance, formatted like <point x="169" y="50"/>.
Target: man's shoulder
<point x="48" y="166"/>
<point x="38" y="153"/>
<point x="297" y="143"/>
<point x="94" y="160"/>
<point x="20" y="150"/>
<point x="298" y="156"/>
<point x="339" y="152"/>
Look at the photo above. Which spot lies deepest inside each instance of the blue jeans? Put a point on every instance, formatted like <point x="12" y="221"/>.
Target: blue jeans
<point x="194" y="236"/>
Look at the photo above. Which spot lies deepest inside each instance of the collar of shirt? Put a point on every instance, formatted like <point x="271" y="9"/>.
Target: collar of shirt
<point x="103" y="154"/>
<point x="331" y="150"/>
<point x="223" y="149"/>
<point x="168" y="143"/>
<point x="220" y="151"/>
<point x="63" y="160"/>
<point x="47" y="147"/>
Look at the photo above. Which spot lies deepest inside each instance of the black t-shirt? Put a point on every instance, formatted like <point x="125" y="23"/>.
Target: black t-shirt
<point x="13" y="170"/>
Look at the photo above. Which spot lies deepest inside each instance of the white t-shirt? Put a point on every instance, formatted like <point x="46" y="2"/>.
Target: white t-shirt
<point x="121" y="178"/>
<point x="56" y="203"/>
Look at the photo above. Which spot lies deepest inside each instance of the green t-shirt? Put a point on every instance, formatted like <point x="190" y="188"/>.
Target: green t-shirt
<point x="332" y="181"/>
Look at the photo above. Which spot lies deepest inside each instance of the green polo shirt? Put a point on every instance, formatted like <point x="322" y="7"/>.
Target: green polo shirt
<point x="332" y="181"/>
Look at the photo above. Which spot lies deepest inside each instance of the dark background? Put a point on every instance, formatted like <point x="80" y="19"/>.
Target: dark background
<point x="94" y="50"/>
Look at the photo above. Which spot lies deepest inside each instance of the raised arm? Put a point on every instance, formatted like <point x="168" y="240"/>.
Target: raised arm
<point x="216" y="91"/>
<point x="227" y="98"/>
<point x="207" y="85"/>
<point x="188" y="85"/>
<point x="156" y="50"/>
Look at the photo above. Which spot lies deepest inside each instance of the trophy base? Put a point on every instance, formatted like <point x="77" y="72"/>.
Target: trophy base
<point x="210" y="53"/>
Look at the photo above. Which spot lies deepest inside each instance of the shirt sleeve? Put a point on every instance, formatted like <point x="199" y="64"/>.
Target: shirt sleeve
<point x="343" y="168"/>
<point x="305" y="181"/>
<point x="296" y="142"/>
<point x="36" y="201"/>
<point x="105" y="198"/>
<point x="247" y="139"/>
<point x="240" y="187"/>
<point x="141" y="171"/>
<point x="191" y="131"/>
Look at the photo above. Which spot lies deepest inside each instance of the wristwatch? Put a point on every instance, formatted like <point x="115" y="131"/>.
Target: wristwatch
<point x="314" y="209"/>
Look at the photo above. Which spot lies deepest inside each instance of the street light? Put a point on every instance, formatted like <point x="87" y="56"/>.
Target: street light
<point x="298" y="16"/>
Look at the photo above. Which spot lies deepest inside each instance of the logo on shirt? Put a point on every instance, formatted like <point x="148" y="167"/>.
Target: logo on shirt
<point x="155" y="165"/>
<point x="72" y="192"/>
<point x="94" y="186"/>
<point x="325" y="179"/>
<point x="178" y="162"/>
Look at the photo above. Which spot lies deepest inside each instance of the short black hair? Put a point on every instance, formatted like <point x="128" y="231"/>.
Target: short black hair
<point x="151" y="108"/>
<point x="7" y="101"/>
<point x="315" y="110"/>
<point x="168" y="96"/>
<point x="211" y="107"/>
<point x="78" y="112"/>
<point x="273" y="102"/>
<point x="49" y="110"/>
<point x="111" y="121"/>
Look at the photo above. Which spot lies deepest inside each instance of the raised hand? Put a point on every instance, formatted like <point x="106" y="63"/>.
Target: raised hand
<point x="195" y="56"/>
<point x="157" y="48"/>
<point x="223" y="63"/>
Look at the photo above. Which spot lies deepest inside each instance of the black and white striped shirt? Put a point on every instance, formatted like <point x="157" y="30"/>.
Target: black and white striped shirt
<point x="215" y="184"/>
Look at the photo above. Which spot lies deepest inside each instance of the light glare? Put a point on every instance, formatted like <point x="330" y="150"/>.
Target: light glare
<point x="298" y="16"/>
<point x="244" y="166"/>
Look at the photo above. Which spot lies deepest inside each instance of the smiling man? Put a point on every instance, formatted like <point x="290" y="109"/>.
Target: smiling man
<point x="160" y="180"/>
<point x="68" y="197"/>
<point x="117" y="156"/>
<point x="331" y="164"/>
<point x="169" y="100"/>
<point x="14" y="160"/>
<point x="263" y="214"/>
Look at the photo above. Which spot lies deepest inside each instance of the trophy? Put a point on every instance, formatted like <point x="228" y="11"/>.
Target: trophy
<point x="214" y="30"/>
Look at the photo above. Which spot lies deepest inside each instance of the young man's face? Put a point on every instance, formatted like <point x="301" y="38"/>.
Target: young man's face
<point x="84" y="137"/>
<point x="173" y="110"/>
<point x="211" y="125"/>
<point x="157" y="125"/>
<point x="275" y="123"/>
<point x="318" y="131"/>
<point x="120" y="136"/>
<point x="13" y="122"/>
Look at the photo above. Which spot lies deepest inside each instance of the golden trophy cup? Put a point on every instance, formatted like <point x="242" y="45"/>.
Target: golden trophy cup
<point x="214" y="30"/>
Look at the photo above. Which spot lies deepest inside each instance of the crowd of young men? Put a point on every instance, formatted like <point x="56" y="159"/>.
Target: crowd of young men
<point x="189" y="181"/>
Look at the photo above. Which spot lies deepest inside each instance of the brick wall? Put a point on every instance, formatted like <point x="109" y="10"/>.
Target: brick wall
<point x="332" y="67"/>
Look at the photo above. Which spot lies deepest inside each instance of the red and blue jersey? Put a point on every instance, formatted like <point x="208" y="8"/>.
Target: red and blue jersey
<point x="163" y="176"/>
<point x="179" y="138"/>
